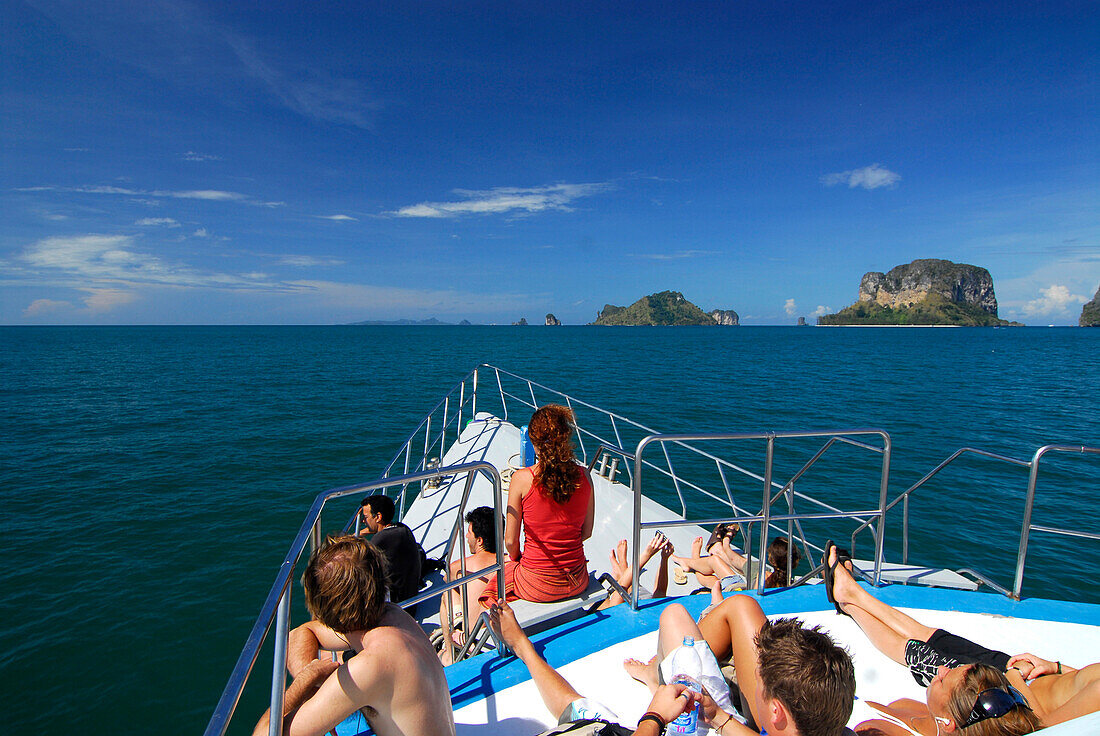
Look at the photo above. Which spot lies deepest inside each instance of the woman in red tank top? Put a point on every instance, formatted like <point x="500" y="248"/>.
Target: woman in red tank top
<point x="552" y="501"/>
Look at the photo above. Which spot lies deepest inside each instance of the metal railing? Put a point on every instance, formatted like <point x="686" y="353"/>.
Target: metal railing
<point x="765" y="517"/>
<point x="276" y="608"/>
<point x="1027" y="525"/>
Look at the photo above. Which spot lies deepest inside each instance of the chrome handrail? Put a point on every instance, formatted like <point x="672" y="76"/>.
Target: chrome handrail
<point x="765" y="518"/>
<point x="277" y="602"/>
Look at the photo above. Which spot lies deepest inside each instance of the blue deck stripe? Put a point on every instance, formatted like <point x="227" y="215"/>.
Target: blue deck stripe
<point x="480" y="676"/>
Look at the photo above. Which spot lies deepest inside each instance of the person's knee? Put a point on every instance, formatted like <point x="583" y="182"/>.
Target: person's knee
<point x="673" y="614"/>
<point x="741" y="607"/>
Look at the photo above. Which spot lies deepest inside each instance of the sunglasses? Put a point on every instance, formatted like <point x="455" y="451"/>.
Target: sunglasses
<point x="994" y="703"/>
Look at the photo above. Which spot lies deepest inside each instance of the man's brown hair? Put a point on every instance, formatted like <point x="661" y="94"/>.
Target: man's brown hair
<point x="345" y="584"/>
<point x="809" y="674"/>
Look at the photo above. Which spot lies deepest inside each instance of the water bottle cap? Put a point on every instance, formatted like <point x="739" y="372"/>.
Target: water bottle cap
<point x="689" y="641"/>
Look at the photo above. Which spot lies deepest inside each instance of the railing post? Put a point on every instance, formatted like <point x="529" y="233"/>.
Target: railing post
<point x="769" y="456"/>
<point x="278" y="672"/>
<point x="503" y="402"/>
<point x="458" y="422"/>
<point x="315" y="533"/>
<point x="473" y="398"/>
<point x="1025" y="528"/>
<point x="442" y="429"/>
<point x="880" y="538"/>
<point x="635" y="561"/>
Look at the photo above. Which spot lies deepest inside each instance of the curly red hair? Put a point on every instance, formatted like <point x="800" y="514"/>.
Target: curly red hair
<point x="551" y="431"/>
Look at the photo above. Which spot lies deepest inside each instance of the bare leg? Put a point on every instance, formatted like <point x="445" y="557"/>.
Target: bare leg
<point x="712" y="565"/>
<point x="883" y="624"/>
<point x="660" y="588"/>
<point x="732" y="628"/>
<point x="623" y="573"/>
<point x="555" y="690"/>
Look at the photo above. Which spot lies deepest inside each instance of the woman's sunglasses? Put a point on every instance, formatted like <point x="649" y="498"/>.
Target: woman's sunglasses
<point x="994" y="703"/>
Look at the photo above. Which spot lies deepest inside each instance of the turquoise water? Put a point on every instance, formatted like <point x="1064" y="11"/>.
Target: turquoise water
<point x="152" y="477"/>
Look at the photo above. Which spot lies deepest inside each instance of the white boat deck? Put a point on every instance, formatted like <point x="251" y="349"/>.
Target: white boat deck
<point x="518" y="710"/>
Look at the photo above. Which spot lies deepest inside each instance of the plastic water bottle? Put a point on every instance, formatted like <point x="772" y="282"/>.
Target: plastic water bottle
<point x="686" y="667"/>
<point x="526" y="449"/>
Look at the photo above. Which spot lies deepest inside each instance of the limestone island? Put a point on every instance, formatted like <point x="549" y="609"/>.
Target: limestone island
<point x="928" y="291"/>
<point x="1090" y="313"/>
<point x="666" y="308"/>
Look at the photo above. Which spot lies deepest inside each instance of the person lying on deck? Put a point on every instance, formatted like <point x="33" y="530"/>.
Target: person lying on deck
<point x="562" y="699"/>
<point x="792" y="679"/>
<point x="971" y="689"/>
<point x="730" y="568"/>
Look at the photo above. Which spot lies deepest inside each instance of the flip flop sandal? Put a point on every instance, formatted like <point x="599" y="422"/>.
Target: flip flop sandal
<point x="827" y="575"/>
<point x="720" y="532"/>
<point x="679" y="576"/>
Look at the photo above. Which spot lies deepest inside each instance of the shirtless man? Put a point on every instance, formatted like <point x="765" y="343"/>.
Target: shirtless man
<point x="481" y="540"/>
<point x="940" y="661"/>
<point x="394" y="677"/>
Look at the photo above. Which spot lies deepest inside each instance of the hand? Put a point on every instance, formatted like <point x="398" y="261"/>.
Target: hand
<point x="710" y="709"/>
<point x="671" y="700"/>
<point x="316" y="672"/>
<point x="1031" y="666"/>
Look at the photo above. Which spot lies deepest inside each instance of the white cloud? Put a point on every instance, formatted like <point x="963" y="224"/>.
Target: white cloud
<point x="869" y="177"/>
<point x="101" y="263"/>
<point x="789" y="307"/>
<point x="104" y="300"/>
<point x="153" y="221"/>
<point x="45" y="306"/>
<point x="209" y="195"/>
<point x="672" y="256"/>
<point x="1054" y="299"/>
<point x="821" y="311"/>
<point x="337" y="218"/>
<point x="504" y="199"/>
<point x="193" y="156"/>
<point x="308" y="261"/>
<point x="201" y="233"/>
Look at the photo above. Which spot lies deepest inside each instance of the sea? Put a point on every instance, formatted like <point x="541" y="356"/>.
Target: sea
<point x="152" y="478"/>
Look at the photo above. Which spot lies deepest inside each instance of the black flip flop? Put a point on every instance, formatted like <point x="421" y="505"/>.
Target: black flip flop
<point x="827" y="574"/>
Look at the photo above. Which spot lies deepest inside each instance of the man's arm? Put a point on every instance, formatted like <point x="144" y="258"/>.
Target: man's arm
<point x="305" y="640"/>
<point x="305" y="685"/>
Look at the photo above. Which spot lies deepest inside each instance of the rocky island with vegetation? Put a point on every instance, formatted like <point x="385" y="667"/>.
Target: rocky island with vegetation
<point x="664" y="309"/>
<point x="1090" y="313"/>
<point x="928" y="291"/>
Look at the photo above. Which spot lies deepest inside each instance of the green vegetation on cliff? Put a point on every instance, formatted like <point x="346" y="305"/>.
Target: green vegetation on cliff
<point x="1090" y="313"/>
<point x="934" y="310"/>
<point x="665" y="308"/>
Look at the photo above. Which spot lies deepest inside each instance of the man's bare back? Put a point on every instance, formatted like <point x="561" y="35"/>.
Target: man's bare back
<point x="394" y="678"/>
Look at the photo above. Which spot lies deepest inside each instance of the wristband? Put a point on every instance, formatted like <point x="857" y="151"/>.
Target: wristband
<point x="656" y="718"/>
<point x="1059" y="668"/>
<point x="729" y="717"/>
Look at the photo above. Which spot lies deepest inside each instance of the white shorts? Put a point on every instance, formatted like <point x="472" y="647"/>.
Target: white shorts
<point x="710" y="677"/>
<point x="584" y="708"/>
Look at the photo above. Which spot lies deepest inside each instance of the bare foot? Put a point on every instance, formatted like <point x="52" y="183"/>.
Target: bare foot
<point x="697" y="547"/>
<point x="618" y="559"/>
<point x="643" y="672"/>
<point x="685" y="563"/>
<point x="844" y="584"/>
<point x="502" y="620"/>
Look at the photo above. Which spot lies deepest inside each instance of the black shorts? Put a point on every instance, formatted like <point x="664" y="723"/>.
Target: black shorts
<point x="945" y="649"/>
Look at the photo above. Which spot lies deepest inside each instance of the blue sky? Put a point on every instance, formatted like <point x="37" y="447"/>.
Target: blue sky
<point x="184" y="162"/>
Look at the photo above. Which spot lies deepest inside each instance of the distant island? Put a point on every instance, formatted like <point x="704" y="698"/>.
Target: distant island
<point x="663" y="309"/>
<point x="430" y="322"/>
<point x="1090" y="313"/>
<point x="928" y="291"/>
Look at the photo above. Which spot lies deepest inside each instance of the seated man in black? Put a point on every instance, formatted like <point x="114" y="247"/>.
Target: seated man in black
<point x="397" y="543"/>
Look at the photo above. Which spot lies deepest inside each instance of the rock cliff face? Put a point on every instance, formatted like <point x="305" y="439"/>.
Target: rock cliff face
<point x="665" y="308"/>
<point x="1090" y="313"/>
<point x="522" y="322"/>
<point x="725" y="317"/>
<point x="924" y="292"/>
<point x="552" y="321"/>
<point x="908" y="285"/>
